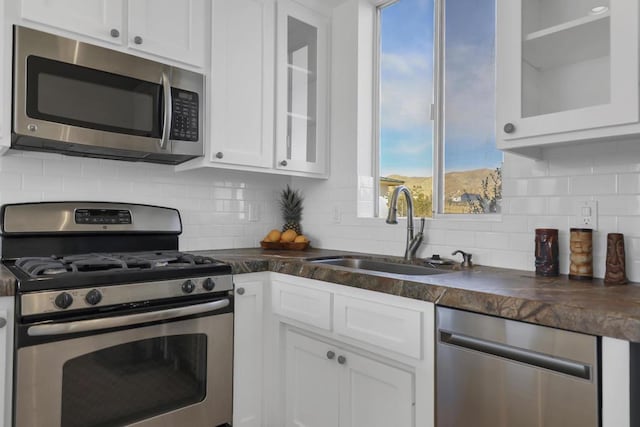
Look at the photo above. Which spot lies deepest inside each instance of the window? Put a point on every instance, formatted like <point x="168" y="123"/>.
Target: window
<point x="445" y="153"/>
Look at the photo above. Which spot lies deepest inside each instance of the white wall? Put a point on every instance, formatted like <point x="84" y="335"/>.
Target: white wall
<point x="535" y="193"/>
<point x="219" y="209"/>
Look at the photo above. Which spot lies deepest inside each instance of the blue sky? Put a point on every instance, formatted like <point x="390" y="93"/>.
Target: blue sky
<point x="407" y="75"/>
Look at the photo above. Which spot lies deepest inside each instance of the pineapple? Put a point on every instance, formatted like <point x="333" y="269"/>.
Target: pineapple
<point x="291" y="208"/>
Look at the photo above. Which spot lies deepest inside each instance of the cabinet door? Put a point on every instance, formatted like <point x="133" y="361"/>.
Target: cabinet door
<point x="374" y="394"/>
<point x="248" y="354"/>
<point x="565" y="65"/>
<point x="311" y="383"/>
<point x="302" y="69"/>
<point x="101" y="19"/>
<point x="5" y="82"/>
<point x="173" y="29"/>
<point x="242" y="80"/>
<point x="6" y="359"/>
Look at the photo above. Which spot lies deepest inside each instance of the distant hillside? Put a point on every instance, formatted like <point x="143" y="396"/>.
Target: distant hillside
<point x="455" y="183"/>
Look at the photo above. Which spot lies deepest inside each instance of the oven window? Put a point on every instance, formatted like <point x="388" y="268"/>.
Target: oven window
<point x="79" y="96"/>
<point x="130" y="382"/>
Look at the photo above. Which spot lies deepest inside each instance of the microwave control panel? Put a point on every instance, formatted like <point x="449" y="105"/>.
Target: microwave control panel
<point x="184" y="121"/>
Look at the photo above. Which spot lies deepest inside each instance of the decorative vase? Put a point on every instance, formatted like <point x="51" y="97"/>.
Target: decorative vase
<point x="581" y="246"/>
<point x="547" y="252"/>
<point x="615" y="264"/>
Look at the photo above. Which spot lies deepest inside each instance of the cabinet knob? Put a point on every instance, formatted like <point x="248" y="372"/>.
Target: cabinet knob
<point x="115" y="33"/>
<point x="137" y="40"/>
<point x="509" y="128"/>
<point x="342" y="360"/>
<point x="240" y="291"/>
<point x="283" y="163"/>
<point x="330" y="355"/>
<point x="219" y="155"/>
<point x="3" y="322"/>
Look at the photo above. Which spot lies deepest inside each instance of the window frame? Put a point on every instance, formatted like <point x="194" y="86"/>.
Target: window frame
<point x="437" y="115"/>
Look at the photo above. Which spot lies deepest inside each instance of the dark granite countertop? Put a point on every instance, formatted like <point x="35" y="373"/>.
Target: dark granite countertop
<point x="589" y="307"/>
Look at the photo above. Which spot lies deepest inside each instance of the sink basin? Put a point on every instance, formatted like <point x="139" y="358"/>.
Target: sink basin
<point x="380" y="266"/>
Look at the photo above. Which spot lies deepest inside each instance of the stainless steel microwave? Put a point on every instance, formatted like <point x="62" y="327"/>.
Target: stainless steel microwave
<point x="79" y="99"/>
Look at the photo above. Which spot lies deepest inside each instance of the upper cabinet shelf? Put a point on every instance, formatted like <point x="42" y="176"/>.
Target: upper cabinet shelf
<point x="566" y="73"/>
<point x="570" y="42"/>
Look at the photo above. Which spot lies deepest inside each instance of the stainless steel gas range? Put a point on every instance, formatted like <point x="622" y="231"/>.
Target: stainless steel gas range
<point x="114" y="326"/>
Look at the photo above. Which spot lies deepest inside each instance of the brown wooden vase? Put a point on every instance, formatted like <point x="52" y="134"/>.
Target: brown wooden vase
<point x="547" y="252"/>
<point x="581" y="246"/>
<point x="615" y="271"/>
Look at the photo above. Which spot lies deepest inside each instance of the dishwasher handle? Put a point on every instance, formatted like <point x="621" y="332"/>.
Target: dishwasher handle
<point x="516" y="354"/>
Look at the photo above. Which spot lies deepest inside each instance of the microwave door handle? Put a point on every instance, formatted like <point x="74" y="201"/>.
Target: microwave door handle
<point x="127" y="320"/>
<point x="168" y="103"/>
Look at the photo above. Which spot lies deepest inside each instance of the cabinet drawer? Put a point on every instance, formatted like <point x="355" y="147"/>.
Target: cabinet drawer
<point x="393" y="328"/>
<point x="298" y="302"/>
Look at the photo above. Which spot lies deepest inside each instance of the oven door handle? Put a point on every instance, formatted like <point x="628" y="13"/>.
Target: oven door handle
<point x="131" y="319"/>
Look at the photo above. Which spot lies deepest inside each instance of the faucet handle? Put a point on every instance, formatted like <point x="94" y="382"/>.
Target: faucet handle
<point x="466" y="258"/>
<point x="421" y="225"/>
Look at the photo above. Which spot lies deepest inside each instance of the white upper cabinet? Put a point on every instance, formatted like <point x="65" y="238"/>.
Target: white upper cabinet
<point x="176" y="30"/>
<point x="100" y="19"/>
<point x="242" y="76"/>
<point x="169" y="28"/>
<point x="302" y="68"/>
<point x="566" y="70"/>
<point x="5" y="84"/>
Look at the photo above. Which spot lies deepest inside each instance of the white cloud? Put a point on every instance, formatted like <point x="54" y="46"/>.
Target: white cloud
<point x="469" y="94"/>
<point x="408" y="64"/>
<point x="410" y="147"/>
<point x="406" y="90"/>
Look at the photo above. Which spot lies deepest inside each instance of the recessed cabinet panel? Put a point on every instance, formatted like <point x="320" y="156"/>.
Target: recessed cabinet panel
<point x="242" y="70"/>
<point x="101" y="19"/>
<point x="565" y="66"/>
<point x="169" y="28"/>
<point x="302" y="87"/>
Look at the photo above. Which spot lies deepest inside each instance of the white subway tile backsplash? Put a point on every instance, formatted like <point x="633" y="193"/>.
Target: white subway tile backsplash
<point x="41" y="183"/>
<point x="527" y="206"/>
<point x="594" y="184"/>
<point x="629" y="183"/>
<point x="213" y="203"/>
<point x="621" y="205"/>
<point x="548" y="186"/>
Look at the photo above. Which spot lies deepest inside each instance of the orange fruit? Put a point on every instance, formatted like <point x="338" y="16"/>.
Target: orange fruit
<point x="273" y="236"/>
<point x="288" y="236"/>
<point x="301" y="239"/>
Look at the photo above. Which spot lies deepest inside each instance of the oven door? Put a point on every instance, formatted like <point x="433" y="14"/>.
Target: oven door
<point x="166" y="374"/>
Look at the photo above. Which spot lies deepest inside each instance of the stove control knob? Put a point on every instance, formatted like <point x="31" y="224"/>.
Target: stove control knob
<point x="93" y="297"/>
<point x="188" y="287"/>
<point x="208" y="284"/>
<point x="63" y="300"/>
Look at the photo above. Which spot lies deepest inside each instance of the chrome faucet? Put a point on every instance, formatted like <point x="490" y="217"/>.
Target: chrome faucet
<point x="413" y="242"/>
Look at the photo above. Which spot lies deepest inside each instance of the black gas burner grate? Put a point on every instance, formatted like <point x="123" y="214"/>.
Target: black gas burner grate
<point x="96" y="262"/>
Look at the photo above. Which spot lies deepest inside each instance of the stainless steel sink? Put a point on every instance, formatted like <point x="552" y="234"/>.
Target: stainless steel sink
<point x="380" y="266"/>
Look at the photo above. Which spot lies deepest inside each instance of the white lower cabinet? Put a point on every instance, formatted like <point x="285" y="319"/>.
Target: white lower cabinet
<point x="311" y="381"/>
<point x="6" y="359"/>
<point x="327" y="385"/>
<point x="248" y="349"/>
<point x="339" y="363"/>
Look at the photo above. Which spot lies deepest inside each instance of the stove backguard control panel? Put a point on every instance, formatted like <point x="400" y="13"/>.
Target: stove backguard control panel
<point x="102" y="216"/>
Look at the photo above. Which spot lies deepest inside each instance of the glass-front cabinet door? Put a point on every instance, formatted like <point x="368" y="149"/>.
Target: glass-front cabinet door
<point x="302" y="68"/>
<point x="565" y="65"/>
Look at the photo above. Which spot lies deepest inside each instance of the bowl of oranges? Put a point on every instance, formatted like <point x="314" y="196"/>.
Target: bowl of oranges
<point x="287" y="240"/>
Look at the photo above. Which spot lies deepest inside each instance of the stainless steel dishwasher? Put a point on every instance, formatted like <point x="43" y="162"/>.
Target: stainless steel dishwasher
<point x="493" y="372"/>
